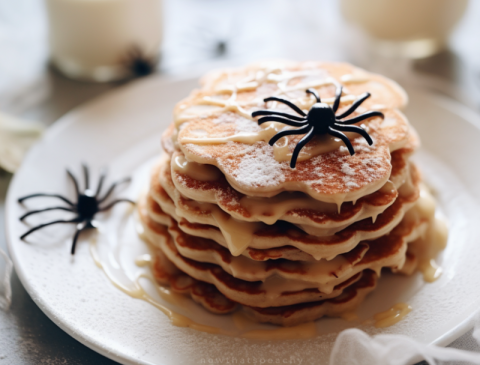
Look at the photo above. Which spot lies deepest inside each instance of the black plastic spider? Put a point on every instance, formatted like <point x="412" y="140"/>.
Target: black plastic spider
<point x="321" y="119"/>
<point x="87" y="205"/>
<point x="138" y="63"/>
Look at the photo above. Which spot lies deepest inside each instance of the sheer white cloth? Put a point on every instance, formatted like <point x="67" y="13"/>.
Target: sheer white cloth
<point x="16" y="137"/>
<point x="355" y="347"/>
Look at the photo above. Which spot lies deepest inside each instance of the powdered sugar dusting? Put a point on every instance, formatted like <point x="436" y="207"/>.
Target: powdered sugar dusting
<point x="244" y="125"/>
<point x="226" y="118"/>
<point x="343" y="150"/>
<point x="259" y="168"/>
<point x="349" y="177"/>
<point x="352" y="184"/>
<point x="347" y="170"/>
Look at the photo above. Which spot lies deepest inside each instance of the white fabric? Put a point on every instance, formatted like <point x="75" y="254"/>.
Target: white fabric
<point x="16" y="137"/>
<point x="355" y="347"/>
<point x="5" y="286"/>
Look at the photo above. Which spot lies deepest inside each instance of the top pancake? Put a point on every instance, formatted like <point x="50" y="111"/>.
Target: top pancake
<point x="214" y="126"/>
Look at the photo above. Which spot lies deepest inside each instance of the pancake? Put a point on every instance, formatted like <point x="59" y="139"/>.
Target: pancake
<point x="254" y="171"/>
<point x="244" y="292"/>
<point x="237" y="236"/>
<point x="214" y="301"/>
<point x="205" y="294"/>
<point x="387" y="251"/>
<point x="428" y="246"/>
<point x="384" y="91"/>
<point x="204" y="183"/>
<point x="309" y="212"/>
<point x="230" y="139"/>
<point x="306" y="312"/>
<point x="233" y="226"/>
<point x="204" y="231"/>
<point x="293" y="207"/>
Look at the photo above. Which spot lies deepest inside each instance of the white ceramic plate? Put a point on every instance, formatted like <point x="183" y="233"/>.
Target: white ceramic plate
<point x="122" y="130"/>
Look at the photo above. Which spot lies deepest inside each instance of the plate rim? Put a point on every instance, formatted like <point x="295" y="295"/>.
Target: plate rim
<point x="448" y="95"/>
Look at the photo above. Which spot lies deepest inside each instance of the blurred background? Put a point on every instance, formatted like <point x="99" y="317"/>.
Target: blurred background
<point x="58" y="54"/>
<point x="196" y="35"/>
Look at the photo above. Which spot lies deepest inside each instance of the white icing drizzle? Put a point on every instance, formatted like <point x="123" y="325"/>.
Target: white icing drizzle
<point x="195" y="170"/>
<point x="238" y="234"/>
<point x="246" y="328"/>
<point x="305" y="330"/>
<point x="281" y="150"/>
<point x="263" y="134"/>
<point x="354" y="79"/>
<point x="426" y="248"/>
<point x="230" y="104"/>
<point x="350" y="316"/>
<point x="110" y="264"/>
<point x="392" y="315"/>
<point x="270" y="210"/>
<point x="209" y="105"/>
<point x="430" y="270"/>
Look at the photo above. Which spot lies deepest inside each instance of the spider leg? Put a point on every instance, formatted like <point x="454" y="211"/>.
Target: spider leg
<point x="355" y="105"/>
<point x="114" y="185"/>
<point x="281" y="120"/>
<point x="344" y="138"/>
<point x="47" y="224"/>
<point x="44" y="210"/>
<point x="354" y="129"/>
<point x="361" y="117"/>
<point x="103" y="175"/>
<point x="299" y="146"/>
<point x="109" y="206"/>
<point x="271" y="112"/>
<point x="21" y="200"/>
<point x="338" y="95"/>
<point x="315" y="94"/>
<point x="86" y="176"/>
<point x="289" y="132"/>
<point x="74" y="180"/>
<point x="286" y="102"/>
<point x="82" y="226"/>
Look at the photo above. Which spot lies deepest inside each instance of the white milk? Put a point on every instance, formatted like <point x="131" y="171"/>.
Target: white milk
<point x="91" y="39"/>
<point x="414" y="28"/>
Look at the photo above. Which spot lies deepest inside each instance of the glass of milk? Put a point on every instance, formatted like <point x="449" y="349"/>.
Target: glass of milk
<point x="409" y="28"/>
<point x="104" y="40"/>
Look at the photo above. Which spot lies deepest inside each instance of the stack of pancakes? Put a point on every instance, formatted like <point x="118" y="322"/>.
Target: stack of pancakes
<point x="233" y="225"/>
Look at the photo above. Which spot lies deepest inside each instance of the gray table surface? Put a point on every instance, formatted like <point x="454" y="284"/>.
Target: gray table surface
<point x="301" y="29"/>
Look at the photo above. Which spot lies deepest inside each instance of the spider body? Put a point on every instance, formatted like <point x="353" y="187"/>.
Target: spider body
<point x="321" y="119"/>
<point x="87" y="205"/>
